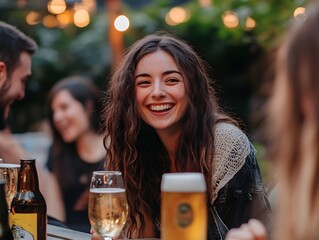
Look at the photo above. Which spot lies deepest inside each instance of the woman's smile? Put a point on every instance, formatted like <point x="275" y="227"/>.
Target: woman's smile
<point x="161" y="107"/>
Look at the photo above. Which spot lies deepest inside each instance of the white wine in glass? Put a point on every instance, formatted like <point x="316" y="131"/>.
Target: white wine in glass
<point x="108" y="207"/>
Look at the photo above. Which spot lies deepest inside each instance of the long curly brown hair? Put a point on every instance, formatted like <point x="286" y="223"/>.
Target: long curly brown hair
<point x="134" y="148"/>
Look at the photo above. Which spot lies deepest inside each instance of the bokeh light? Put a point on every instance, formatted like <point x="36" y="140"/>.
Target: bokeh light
<point x="121" y="23"/>
<point x="65" y="18"/>
<point x="230" y="20"/>
<point x="177" y="15"/>
<point x="50" y="21"/>
<point x="81" y="18"/>
<point x="56" y="6"/>
<point x="32" y="18"/>
<point x="205" y="3"/>
<point x="250" y="23"/>
<point x="299" y="11"/>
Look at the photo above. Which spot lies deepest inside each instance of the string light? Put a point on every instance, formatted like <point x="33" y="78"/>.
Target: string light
<point x="250" y="23"/>
<point x="32" y="18"/>
<point x="230" y="20"/>
<point x="81" y="18"/>
<point x="50" y="21"/>
<point x="56" y="6"/>
<point x="177" y="15"/>
<point x="299" y="11"/>
<point x="205" y="3"/>
<point x="121" y="23"/>
<point x="65" y="18"/>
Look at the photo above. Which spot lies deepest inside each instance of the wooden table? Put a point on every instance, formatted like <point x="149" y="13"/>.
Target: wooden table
<point x="56" y="233"/>
<point x="60" y="233"/>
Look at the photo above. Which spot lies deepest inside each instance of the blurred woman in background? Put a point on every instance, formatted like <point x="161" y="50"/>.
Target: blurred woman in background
<point x="293" y="126"/>
<point x="77" y="149"/>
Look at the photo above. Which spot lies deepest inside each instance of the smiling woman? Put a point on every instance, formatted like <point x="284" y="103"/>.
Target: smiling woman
<point x="161" y="115"/>
<point x="77" y="149"/>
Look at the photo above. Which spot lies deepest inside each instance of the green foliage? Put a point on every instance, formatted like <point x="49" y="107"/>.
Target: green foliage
<point x="230" y="52"/>
<point x="272" y="18"/>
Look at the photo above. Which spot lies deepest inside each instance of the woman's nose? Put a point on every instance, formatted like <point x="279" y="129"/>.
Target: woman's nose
<point x="57" y="116"/>
<point x="158" y="90"/>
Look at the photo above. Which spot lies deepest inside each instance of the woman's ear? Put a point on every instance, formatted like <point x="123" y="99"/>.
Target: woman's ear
<point x="3" y="73"/>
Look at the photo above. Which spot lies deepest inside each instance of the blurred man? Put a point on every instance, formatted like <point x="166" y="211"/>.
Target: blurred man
<point x="16" y="50"/>
<point x="15" y="66"/>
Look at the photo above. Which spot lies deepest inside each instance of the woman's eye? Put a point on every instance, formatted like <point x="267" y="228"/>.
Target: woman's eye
<point x="143" y="83"/>
<point x="173" y="80"/>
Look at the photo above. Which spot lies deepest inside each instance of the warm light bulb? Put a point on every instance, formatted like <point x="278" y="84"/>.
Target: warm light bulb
<point x="81" y="18"/>
<point x="230" y="20"/>
<point x="205" y="3"/>
<point x="65" y="18"/>
<point x="121" y="23"/>
<point x="177" y="15"/>
<point x="32" y="18"/>
<point x="56" y="6"/>
<point x="299" y="11"/>
<point x="250" y="23"/>
<point x="50" y="21"/>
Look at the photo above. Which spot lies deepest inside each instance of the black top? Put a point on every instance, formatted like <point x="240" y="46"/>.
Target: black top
<point x="241" y="199"/>
<point x="74" y="176"/>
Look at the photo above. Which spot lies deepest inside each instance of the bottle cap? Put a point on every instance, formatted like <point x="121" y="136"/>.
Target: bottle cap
<point x="26" y="159"/>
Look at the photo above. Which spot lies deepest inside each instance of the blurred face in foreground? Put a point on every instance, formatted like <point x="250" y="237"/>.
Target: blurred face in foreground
<point x="70" y="117"/>
<point x="160" y="92"/>
<point x="13" y="85"/>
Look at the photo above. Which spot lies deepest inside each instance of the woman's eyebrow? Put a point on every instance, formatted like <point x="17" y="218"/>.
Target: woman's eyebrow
<point x="164" y="73"/>
<point x="171" y="71"/>
<point x="142" y="75"/>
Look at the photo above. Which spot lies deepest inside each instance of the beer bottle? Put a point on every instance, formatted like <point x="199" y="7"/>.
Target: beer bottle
<point x="5" y="233"/>
<point x="28" y="213"/>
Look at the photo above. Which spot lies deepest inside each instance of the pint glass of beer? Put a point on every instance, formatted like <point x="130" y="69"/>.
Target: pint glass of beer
<point x="183" y="206"/>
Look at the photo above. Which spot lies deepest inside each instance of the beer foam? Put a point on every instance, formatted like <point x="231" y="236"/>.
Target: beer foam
<point x="183" y="182"/>
<point x="107" y="190"/>
<point x="9" y="165"/>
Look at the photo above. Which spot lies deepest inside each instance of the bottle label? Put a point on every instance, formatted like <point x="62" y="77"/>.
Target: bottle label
<point x="23" y="226"/>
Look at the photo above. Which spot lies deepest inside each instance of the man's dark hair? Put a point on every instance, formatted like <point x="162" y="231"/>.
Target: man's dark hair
<point x="12" y="43"/>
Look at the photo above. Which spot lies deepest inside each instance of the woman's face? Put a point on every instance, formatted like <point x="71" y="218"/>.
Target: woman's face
<point x="70" y="118"/>
<point x="160" y="91"/>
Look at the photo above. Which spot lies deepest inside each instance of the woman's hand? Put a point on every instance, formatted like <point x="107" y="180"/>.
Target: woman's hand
<point x="95" y="236"/>
<point x="253" y="230"/>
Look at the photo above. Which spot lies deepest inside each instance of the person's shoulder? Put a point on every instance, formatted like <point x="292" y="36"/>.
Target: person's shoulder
<point x="231" y="150"/>
<point x="229" y="133"/>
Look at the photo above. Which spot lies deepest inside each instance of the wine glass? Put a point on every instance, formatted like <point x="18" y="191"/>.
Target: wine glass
<point x="108" y="208"/>
<point x="9" y="173"/>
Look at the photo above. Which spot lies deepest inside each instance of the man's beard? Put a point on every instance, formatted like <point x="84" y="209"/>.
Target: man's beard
<point x="3" y="104"/>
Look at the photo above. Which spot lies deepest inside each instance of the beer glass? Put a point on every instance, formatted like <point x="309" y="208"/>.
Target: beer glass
<point x="9" y="173"/>
<point x="183" y="206"/>
<point x="108" y="208"/>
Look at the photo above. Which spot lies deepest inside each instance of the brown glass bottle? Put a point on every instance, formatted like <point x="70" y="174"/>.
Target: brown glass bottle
<point x="5" y="233"/>
<point x="28" y="209"/>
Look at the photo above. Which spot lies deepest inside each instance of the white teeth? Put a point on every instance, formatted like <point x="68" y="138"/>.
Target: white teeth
<point x="160" y="107"/>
